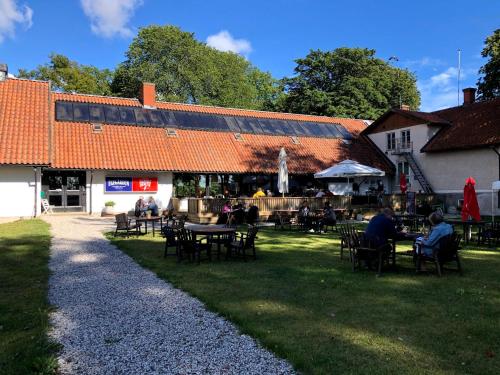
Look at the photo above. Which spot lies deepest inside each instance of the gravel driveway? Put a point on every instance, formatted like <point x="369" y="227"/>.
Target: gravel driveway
<point x="114" y="317"/>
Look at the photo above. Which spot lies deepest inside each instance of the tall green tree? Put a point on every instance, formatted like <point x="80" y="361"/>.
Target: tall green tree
<point x="488" y="86"/>
<point x="348" y="82"/>
<point x="67" y="75"/>
<point x="186" y="70"/>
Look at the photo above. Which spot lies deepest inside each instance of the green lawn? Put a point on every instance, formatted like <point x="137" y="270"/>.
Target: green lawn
<point x="305" y="304"/>
<point x="24" y="254"/>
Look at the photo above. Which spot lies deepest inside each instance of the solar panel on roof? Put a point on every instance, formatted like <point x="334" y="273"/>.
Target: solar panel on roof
<point x="96" y="113"/>
<point x="333" y="129"/>
<point x="127" y="116"/>
<point x="112" y="114"/>
<point x="266" y="126"/>
<point x="156" y="118"/>
<point x="312" y="129"/>
<point x="187" y="120"/>
<point x="64" y="111"/>
<point x="326" y="130"/>
<point x="205" y="121"/>
<point x="141" y="116"/>
<point x="254" y="124"/>
<point x="287" y="129"/>
<point x="244" y="125"/>
<point x="221" y="124"/>
<point x="344" y="132"/>
<point x="295" y="126"/>
<point x="169" y="119"/>
<point x="81" y="112"/>
<point x="233" y="124"/>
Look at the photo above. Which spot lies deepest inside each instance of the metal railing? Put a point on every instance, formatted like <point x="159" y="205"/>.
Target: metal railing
<point x="402" y="147"/>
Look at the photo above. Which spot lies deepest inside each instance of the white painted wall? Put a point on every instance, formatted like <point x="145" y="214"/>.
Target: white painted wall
<point x="125" y="201"/>
<point x="447" y="171"/>
<point x="17" y="191"/>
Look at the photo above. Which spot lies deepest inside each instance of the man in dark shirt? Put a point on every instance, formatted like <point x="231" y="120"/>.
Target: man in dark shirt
<point x="381" y="228"/>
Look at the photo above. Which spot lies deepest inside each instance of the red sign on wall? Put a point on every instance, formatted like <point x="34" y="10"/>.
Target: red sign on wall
<point x="145" y="184"/>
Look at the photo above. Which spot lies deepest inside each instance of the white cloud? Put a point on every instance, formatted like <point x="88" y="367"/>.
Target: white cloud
<point x="224" y="41"/>
<point x="440" y="90"/>
<point x="10" y="15"/>
<point x="110" y="17"/>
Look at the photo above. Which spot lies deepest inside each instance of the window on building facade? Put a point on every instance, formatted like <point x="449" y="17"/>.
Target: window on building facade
<point x="391" y="141"/>
<point x="405" y="139"/>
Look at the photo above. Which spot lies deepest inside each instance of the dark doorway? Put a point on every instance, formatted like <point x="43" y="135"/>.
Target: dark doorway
<point x="65" y="190"/>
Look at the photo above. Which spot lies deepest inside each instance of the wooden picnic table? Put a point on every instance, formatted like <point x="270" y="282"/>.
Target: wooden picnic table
<point x="467" y="228"/>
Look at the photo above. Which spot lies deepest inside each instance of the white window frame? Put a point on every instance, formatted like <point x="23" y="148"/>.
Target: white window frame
<point x="391" y="141"/>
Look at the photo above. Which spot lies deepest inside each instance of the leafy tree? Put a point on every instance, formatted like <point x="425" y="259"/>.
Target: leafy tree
<point x="489" y="84"/>
<point x="67" y="75"/>
<point x="348" y="82"/>
<point x="186" y="70"/>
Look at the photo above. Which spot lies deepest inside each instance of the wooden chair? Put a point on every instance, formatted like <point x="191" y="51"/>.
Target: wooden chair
<point x="447" y="252"/>
<point x="123" y="224"/>
<point x="363" y="251"/>
<point x="171" y="239"/>
<point x="490" y="234"/>
<point x="345" y="231"/>
<point x="242" y="243"/>
<point x="186" y="245"/>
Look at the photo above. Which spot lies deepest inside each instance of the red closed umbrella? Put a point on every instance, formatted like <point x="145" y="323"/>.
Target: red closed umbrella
<point x="402" y="183"/>
<point x="470" y="206"/>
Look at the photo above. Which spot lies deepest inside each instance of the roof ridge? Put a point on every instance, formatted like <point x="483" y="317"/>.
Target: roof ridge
<point x="258" y="111"/>
<point x="94" y="95"/>
<point x="461" y="106"/>
<point x="26" y="80"/>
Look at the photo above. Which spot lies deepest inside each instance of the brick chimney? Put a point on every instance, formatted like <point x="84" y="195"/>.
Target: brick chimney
<point x="147" y="95"/>
<point x="404" y="107"/>
<point x="469" y="95"/>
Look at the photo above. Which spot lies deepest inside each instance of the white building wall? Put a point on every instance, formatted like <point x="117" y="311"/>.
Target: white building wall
<point x="19" y="191"/>
<point x="447" y="171"/>
<point x="420" y="135"/>
<point x="96" y="196"/>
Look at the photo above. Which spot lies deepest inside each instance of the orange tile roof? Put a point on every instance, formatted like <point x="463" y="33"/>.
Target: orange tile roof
<point x="137" y="148"/>
<point x="24" y="122"/>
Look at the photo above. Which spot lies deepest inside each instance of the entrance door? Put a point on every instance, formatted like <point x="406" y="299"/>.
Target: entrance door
<point x="65" y="190"/>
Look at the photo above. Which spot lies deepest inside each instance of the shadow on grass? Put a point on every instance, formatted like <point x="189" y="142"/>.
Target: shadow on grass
<point x="305" y="304"/>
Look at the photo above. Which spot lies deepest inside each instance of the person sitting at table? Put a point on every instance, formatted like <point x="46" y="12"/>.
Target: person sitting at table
<point x="226" y="210"/>
<point x="259" y="193"/>
<point x="381" y="229"/>
<point x="439" y="230"/>
<point x="139" y="206"/>
<point x="152" y="206"/>
<point x="303" y="216"/>
<point x="329" y="217"/>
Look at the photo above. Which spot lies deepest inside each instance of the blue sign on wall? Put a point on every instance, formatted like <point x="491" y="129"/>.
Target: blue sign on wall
<point x="118" y="184"/>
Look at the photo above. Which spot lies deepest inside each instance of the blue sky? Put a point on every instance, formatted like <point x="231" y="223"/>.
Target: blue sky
<point x="424" y="35"/>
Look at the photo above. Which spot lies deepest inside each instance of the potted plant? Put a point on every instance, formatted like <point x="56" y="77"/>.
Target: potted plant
<point x="109" y="209"/>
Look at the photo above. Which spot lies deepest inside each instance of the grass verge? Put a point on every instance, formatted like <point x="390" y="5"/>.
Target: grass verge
<point x="306" y="305"/>
<point x="24" y="273"/>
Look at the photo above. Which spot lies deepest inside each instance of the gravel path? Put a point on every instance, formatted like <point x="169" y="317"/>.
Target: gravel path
<point x="114" y="317"/>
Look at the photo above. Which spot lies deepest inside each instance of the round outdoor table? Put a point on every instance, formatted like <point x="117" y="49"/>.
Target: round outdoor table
<point x="211" y="231"/>
<point x="152" y="220"/>
<point x="402" y="236"/>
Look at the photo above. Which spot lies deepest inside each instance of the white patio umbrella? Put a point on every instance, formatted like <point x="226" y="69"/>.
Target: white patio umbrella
<point x="282" y="173"/>
<point x="349" y="169"/>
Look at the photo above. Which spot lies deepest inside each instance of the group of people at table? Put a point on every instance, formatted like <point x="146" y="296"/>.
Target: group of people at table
<point x="382" y="228"/>
<point x="142" y="207"/>
<point x="316" y="221"/>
